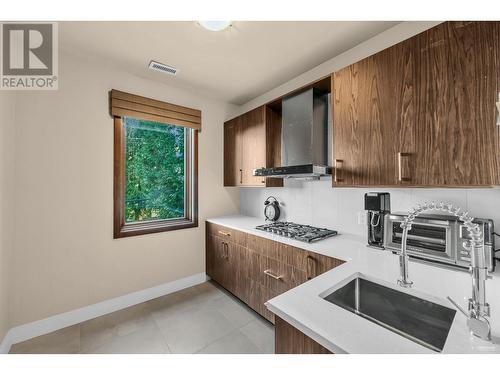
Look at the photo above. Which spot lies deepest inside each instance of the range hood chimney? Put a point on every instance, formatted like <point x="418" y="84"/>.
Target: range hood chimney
<point x="304" y="137"/>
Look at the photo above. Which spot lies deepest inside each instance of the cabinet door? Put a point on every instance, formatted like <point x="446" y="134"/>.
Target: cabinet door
<point x="373" y="119"/>
<point x="280" y="277"/>
<point x="253" y="146"/>
<point x="233" y="172"/>
<point x="289" y="340"/>
<point x="251" y="141"/>
<point x="459" y="80"/>
<point x="216" y="259"/>
<point x="234" y="266"/>
<point x="240" y="277"/>
<point x="257" y="297"/>
<point x="210" y="255"/>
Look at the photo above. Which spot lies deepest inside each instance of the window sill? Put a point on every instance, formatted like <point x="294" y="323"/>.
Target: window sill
<point x="137" y="229"/>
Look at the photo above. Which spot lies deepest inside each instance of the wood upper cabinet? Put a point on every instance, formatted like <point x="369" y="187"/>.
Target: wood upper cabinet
<point x="458" y="85"/>
<point x="373" y="105"/>
<point x="253" y="146"/>
<point x="252" y="141"/>
<point x="233" y="155"/>
<point x="421" y="113"/>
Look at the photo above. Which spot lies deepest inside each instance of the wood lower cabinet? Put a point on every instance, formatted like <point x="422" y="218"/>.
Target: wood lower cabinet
<point x="214" y="257"/>
<point x="257" y="296"/>
<point x="256" y="269"/>
<point x="316" y="264"/>
<point x="226" y="258"/>
<point x="289" y="340"/>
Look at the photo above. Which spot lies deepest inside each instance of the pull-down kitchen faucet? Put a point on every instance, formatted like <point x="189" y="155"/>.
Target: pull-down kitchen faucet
<point x="478" y="310"/>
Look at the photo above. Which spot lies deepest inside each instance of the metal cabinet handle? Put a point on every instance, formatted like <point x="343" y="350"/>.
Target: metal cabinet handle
<point x="402" y="178"/>
<point x="225" y="233"/>
<point x="337" y="164"/>
<point x="223" y="250"/>
<point x="226" y="250"/>
<point x="241" y="176"/>
<point x="269" y="273"/>
<point x="308" y="259"/>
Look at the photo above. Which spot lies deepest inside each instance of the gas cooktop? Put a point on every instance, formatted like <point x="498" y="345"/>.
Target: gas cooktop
<point x="305" y="233"/>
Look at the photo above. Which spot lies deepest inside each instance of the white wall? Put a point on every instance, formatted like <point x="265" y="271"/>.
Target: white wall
<point x="7" y="107"/>
<point x="65" y="256"/>
<point x="317" y="203"/>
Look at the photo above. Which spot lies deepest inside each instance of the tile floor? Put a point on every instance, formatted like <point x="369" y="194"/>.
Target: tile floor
<point x="200" y="319"/>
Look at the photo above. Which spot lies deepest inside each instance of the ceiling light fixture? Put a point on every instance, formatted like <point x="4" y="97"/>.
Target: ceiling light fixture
<point x="215" y="25"/>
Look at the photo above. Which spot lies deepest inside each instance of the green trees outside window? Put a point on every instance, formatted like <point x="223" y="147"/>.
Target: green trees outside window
<point x="154" y="171"/>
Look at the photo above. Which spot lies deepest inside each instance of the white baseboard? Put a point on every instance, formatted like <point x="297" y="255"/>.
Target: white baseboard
<point x="41" y="327"/>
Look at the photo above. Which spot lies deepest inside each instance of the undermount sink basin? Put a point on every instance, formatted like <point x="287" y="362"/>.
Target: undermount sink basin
<point x="417" y="319"/>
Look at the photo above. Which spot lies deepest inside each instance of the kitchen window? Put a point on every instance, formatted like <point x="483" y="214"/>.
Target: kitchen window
<point x="155" y="165"/>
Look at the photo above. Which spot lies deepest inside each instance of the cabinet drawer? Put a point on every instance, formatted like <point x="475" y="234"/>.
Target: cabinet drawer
<point x="275" y="250"/>
<point x="262" y="246"/>
<point x="293" y="256"/>
<point x="272" y="274"/>
<point x="316" y="264"/>
<point x="280" y="277"/>
<point x="311" y="263"/>
<point x="230" y="235"/>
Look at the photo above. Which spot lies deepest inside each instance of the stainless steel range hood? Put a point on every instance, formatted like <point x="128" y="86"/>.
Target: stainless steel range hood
<point x="304" y="137"/>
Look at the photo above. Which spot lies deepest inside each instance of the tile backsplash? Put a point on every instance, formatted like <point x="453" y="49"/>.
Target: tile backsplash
<point x="317" y="203"/>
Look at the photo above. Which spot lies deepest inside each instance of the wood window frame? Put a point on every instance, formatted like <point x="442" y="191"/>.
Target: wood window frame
<point x="190" y="219"/>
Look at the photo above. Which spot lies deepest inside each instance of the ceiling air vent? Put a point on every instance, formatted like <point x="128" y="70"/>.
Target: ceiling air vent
<point x="154" y="65"/>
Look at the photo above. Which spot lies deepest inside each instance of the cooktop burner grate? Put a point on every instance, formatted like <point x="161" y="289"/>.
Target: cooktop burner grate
<point x="305" y="233"/>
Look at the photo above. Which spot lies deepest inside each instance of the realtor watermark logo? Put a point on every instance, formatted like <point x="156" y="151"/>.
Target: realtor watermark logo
<point x="29" y="59"/>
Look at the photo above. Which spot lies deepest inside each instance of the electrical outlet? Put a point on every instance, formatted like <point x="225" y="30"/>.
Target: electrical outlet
<point x="362" y="217"/>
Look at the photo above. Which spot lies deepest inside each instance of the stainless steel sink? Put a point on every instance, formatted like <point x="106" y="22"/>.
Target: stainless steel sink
<point x="419" y="320"/>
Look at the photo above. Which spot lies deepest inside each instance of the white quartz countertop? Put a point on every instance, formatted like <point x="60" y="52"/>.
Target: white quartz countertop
<point x="344" y="332"/>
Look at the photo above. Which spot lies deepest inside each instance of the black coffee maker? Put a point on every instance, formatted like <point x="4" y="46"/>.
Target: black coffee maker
<point x="378" y="205"/>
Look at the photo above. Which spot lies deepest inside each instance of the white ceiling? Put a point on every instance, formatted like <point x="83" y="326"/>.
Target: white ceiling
<point x="234" y="65"/>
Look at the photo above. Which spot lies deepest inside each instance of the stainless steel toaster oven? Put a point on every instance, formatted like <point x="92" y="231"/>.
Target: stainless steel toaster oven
<point x="438" y="238"/>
